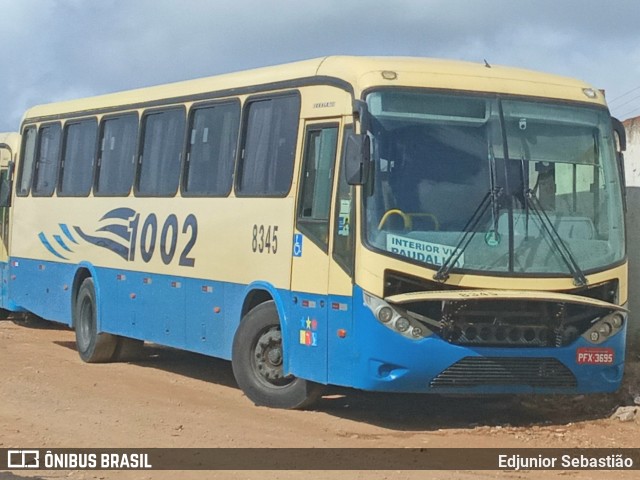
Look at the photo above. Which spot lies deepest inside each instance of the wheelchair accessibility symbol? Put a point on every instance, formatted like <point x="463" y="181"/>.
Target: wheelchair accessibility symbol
<point x="297" y="245"/>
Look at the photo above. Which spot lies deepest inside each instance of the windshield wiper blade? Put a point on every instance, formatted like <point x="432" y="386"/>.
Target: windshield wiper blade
<point x="469" y="231"/>
<point x="556" y="241"/>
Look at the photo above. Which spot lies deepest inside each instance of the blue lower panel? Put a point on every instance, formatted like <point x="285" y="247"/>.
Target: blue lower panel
<point x="140" y="305"/>
<point x="4" y="286"/>
<point x="326" y="339"/>
<point x="43" y="288"/>
<point x="342" y="341"/>
<point x="174" y="311"/>
<point x="204" y="325"/>
<point x="307" y="337"/>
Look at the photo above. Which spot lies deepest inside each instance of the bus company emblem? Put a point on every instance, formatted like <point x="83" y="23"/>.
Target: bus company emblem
<point x="60" y="242"/>
<point x="122" y="232"/>
<point x="118" y="226"/>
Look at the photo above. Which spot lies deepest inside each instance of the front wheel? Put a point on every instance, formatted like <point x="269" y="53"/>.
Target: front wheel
<point x="93" y="347"/>
<point x="257" y="363"/>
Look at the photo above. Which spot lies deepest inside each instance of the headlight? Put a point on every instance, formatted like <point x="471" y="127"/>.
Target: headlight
<point x="385" y="314"/>
<point x="402" y="324"/>
<point x="396" y="319"/>
<point x="617" y="320"/>
<point x="605" y="328"/>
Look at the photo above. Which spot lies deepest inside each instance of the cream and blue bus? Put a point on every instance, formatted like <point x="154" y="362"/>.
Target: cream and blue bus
<point x="9" y="146"/>
<point x="387" y="224"/>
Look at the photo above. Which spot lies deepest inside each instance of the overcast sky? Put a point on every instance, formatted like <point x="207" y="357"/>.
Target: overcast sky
<point x="60" y="49"/>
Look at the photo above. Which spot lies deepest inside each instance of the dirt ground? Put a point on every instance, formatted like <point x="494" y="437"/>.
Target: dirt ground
<point x="168" y="398"/>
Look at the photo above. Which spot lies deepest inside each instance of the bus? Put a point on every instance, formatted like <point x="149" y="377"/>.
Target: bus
<point x="9" y="144"/>
<point x="386" y="224"/>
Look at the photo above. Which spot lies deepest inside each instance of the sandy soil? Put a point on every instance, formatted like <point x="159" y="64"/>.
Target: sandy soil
<point x="168" y="398"/>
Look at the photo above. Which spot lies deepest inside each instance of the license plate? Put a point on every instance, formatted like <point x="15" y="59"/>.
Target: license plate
<point x="595" y="356"/>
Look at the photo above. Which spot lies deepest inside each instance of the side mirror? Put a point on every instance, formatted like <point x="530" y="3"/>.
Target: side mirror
<point x="620" y="131"/>
<point x="357" y="158"/>
<point x="621" y="146"/>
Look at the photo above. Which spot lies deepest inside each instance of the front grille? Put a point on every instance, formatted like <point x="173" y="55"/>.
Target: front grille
<point x="488" y="371"/>
<point x="530" y="322"/>
<point x="504" y="335"/>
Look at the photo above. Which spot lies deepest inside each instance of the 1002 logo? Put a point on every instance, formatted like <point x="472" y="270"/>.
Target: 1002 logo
<point x="168" y="238"/>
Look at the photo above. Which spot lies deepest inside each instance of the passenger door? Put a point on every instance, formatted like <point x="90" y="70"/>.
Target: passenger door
<point x="307" y="327"/>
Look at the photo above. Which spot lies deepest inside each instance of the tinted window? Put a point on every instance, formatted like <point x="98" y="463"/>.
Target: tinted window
<point x="269" y="146"/>
<point x="5" y="193"/>
<point x="317" y="181"/>
<point x="212" y="150"/>
<point x="161" y="153"/>
<point x="28" y="156"/>
<point x="47" y="158"/>
<point x="116" y="165"/>
<point x="78" y="158"/>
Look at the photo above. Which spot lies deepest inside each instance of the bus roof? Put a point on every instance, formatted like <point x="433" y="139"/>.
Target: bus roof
<point x="354" y="73"/>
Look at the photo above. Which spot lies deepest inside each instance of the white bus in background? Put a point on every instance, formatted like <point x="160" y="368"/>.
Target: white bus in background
<point x="9" y="144"/>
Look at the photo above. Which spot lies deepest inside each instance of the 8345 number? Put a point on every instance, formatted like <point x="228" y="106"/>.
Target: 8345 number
<point x="265" y="239"/>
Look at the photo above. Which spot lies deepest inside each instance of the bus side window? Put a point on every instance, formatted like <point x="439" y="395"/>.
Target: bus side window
<point x="116" y="164"/>
<point x="27" y="161"/>
<point x="78" y="158"/>
<point x="266" y="167"/>
<point x="344" y="233"/>
<point x="212" y="150"/>
<point x="47" y="160"/>
<point x="161" y="152"/>
<point x="317" y="180"/>
<point x="5" y="188"/>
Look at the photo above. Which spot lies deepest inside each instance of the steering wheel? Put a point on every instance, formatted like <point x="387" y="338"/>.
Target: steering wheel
<point x="407" y="218"/>
<point x="396" y="211"/>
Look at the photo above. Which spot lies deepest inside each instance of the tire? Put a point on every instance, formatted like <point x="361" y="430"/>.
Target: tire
<point x="256" y="359"/>
<point x="92" y="346"/>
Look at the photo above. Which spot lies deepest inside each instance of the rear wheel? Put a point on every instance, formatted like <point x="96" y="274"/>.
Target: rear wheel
<point x="93" y="347"/>
<point x="257" y="362"/>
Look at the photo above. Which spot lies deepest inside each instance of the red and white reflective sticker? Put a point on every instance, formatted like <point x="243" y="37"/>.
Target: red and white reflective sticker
<point x="595" y="356"/>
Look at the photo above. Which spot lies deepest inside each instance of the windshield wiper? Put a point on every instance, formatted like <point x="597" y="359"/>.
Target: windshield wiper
<point x="556" y="241"/>
<point x="469" y="231"/>
<point x="471" y="227"/>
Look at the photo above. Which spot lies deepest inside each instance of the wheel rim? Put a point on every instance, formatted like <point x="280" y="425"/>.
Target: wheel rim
<point x="85" y="321"/>
<point x="267" y="359"/>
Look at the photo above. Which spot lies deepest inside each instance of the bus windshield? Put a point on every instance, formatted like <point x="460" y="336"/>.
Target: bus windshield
<point x="531" y="187"/>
